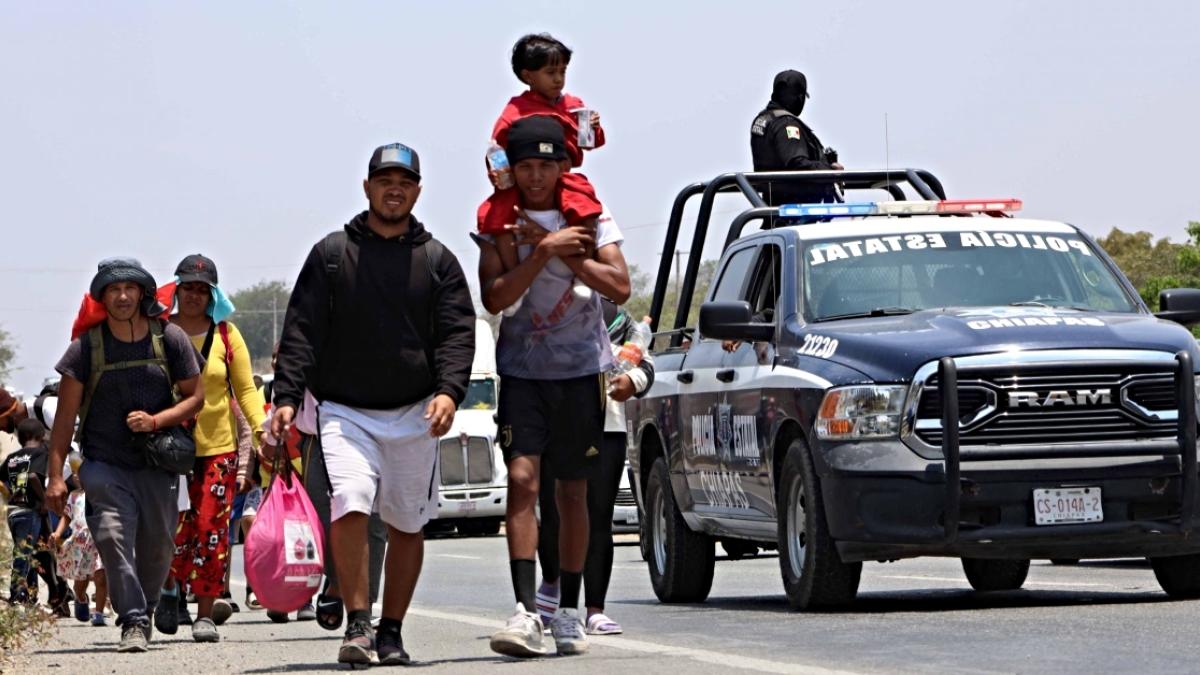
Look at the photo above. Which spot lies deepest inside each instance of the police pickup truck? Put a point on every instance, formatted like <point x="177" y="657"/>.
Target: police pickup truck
<point x="905" y="377"/>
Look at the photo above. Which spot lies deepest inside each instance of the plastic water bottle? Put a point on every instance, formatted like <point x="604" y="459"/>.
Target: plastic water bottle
<point x="497" y="161"/>
<point x="631" y="353"/>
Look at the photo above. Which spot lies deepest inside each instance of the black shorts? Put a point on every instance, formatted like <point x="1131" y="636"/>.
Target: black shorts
<point x="561" y="421"/>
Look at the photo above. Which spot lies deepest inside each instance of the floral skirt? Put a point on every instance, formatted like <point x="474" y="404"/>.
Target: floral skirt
<point x="79" y="559"/>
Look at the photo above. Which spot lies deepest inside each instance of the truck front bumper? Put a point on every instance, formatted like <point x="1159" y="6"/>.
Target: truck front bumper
<point x="884" y="516"/>
<point x="487" y="501"/>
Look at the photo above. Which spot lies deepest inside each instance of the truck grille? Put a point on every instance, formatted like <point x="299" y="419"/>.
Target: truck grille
<point x="625" y="497"/>
<point x="1060" y="404"/>
<point x="472" y="466"/>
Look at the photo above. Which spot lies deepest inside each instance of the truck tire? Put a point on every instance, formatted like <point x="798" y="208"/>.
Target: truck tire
<point x="814" y="575"/>
<point x="1178" y="575"/>
<point x="995" y="575"/>
<point x="680" y="561"/>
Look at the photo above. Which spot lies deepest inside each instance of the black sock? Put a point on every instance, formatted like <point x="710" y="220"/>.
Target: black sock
<point x="386" y="624"/>
<point x="568" y="589"/>
<point x="358" y="615"/>
<point x="524" y="579"/>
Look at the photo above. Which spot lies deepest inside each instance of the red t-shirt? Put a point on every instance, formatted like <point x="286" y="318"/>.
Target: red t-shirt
<point x="530" y="103"/>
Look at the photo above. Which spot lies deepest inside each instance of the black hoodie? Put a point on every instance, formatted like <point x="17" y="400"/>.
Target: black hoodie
<point x="377" y="350"/>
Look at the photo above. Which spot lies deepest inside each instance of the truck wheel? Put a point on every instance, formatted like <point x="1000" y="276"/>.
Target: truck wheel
<point x="814" y="575"/>
<point x="995" y="575"/>
<point x="1178" y="575"/>
<point x="680" y="561"/>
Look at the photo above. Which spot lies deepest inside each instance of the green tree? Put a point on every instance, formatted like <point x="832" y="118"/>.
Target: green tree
<point x="1139" y="256"/>
<point x="7" y="355"/>
<point x="259" y="317"/>
<point x="642" y="293"/>
<point x="1156" y="265"/>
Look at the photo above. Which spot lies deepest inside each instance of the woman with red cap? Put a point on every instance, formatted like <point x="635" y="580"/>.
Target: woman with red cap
<point x="202" y="542"/>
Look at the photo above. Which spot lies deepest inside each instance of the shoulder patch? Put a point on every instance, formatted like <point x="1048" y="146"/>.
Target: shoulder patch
<point x="793" y="133"/>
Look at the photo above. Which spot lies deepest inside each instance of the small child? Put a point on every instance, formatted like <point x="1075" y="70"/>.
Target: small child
<point x="79" y="560"/>
<point x="540" y="61"/>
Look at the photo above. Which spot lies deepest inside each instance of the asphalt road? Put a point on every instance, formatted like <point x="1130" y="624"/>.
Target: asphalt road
<point x="911" y="616"/>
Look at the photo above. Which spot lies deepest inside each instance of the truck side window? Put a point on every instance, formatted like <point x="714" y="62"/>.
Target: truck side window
<point x="732" y="283"/>
<point x="764" y="290"/>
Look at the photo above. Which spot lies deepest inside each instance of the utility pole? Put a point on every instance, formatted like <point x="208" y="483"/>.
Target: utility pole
<point x="678" y="254"/>
<point x="274" y="318"/>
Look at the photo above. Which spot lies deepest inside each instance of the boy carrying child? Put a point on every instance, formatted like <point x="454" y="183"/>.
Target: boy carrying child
<point x="540" y="61"/>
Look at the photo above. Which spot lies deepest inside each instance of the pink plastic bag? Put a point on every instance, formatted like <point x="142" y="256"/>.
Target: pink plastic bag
<point x="285" y="548"/>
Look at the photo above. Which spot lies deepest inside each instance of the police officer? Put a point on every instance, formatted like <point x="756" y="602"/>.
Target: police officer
<point x="779" y="141"/>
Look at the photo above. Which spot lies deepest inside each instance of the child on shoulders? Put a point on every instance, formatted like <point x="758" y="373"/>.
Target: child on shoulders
<point x="540" y="61"/>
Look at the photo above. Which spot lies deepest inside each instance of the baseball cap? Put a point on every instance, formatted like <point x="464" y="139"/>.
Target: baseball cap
<point x="539" y="136"/>
<point x="791" y="80"/>
<point x="196" y="267"/>
<point x="395" y="156"/>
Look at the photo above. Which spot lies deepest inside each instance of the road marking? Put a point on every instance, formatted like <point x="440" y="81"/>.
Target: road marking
<point x="458" y="557"/>
<point x="627" y="644"/>
<point x="1027" y="583"/>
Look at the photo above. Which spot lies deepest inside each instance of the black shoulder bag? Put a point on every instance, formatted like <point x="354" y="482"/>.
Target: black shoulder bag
<point x="172" y="449"/>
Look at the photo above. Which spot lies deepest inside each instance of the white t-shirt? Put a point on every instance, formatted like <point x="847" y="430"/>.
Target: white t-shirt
<point x="555" y="335"/>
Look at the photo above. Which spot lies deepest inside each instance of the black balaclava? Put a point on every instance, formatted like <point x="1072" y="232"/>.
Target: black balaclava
<point x="790" y="91"/>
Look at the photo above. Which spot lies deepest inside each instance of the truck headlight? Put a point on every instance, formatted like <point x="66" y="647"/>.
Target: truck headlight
<point x="870" y="411"/>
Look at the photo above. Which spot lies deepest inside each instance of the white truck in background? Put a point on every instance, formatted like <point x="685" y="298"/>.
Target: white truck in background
<point x="472" y="494"/>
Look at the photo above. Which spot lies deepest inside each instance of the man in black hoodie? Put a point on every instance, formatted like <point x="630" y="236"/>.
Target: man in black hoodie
<point x="779" y="141"/>
<point x="381" y="328"/>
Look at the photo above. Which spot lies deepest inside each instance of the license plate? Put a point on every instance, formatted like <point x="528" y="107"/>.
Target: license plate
<point x="466" y="506"/>
<point x="1062" y="506"/>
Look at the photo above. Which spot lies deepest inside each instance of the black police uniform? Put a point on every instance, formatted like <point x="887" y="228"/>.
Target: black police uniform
<point x="779" y="141"/>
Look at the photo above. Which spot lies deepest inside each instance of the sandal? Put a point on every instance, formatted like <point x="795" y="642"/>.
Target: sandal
<point x="329" y="612"/>
<point x="599" y="624"/>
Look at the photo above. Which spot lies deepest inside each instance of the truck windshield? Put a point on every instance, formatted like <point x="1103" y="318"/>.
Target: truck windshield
<point x="898" y="273"/>
<point x="481" y="395"/>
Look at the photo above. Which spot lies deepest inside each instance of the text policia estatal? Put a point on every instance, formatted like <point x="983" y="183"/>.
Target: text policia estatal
<point x="855" y="248"/>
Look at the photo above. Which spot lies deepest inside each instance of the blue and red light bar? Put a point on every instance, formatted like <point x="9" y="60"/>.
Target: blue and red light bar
<point x="908" y="208"/>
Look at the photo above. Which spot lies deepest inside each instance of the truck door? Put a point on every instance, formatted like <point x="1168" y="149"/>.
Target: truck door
<point x="748" y="401"/>
<point x="704" y="412"/>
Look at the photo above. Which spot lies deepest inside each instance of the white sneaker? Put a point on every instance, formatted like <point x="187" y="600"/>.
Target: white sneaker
<point x="521" y="635"/>
<point x="568" y="632"/>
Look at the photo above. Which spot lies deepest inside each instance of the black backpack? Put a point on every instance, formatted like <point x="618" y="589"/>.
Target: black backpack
<point x="333" y="249"/>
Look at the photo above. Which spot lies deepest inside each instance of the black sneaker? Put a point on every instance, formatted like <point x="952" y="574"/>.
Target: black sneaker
<point x="185" y="616"/>
<point x="390" y="647"/>
<point x="358" y="645"/>
<point x="166" y="615"/>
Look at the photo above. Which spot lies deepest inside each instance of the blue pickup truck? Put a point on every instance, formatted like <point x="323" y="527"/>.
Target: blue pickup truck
<point x="911" y="376"/>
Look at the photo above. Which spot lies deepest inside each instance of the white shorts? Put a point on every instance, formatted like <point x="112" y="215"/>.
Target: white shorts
<point x="381" y="461"/>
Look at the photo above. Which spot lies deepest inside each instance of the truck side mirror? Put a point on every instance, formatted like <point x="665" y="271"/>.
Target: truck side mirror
<point x="1181" y="305"/>
<point x="732" y="321"/>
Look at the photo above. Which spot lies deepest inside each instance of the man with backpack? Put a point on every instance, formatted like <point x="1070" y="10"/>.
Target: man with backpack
<point x="381" y="328"/>
<point x="128" y="379"/>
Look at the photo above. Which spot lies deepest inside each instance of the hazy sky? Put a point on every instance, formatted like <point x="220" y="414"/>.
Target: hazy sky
<point x="242" y="130"/>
